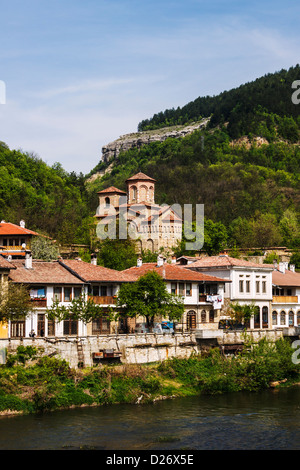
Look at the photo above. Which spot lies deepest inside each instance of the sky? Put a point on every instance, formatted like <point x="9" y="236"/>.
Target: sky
<point x="77" y="74"/>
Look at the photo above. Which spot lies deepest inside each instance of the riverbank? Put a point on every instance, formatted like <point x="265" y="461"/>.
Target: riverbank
<point x="31" y="383"/>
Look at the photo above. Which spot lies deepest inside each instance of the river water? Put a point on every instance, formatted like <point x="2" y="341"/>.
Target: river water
<point x="266" y="420"/>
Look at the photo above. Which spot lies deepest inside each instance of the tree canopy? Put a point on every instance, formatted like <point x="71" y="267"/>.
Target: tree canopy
<point x="148" y="297"/>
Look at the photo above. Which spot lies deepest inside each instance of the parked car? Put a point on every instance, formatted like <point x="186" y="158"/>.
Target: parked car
<point x="164" y="327"/>
<point x="230" y="325"/>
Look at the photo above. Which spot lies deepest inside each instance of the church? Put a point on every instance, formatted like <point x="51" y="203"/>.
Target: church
<point x="154" y="227"/>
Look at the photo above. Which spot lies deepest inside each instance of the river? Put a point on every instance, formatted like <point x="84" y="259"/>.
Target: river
<point x="266" y="420"/>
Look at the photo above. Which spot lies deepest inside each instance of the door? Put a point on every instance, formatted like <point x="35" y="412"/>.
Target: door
<point x="191" y="320"/>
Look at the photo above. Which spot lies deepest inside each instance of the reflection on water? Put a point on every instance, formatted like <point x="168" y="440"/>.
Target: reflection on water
<point x="265" y="420"/>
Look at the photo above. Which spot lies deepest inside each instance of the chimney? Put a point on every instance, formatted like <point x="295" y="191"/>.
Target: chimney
<point x="139" y="262"/>
<point x="28" y="259"/>
<point x="94" y="259"/>
<point x="283" y="265"/>
<point x="292" y="268"/>
<point x="160" y="260"/>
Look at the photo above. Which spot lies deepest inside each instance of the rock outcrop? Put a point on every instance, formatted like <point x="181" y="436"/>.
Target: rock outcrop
<point x="136" y="140"/>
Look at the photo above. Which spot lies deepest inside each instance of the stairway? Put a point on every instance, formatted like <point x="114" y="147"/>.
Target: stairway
<point x="80" y="354"/>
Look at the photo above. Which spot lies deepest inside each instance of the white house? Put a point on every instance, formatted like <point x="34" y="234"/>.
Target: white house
<point x="63" y="281"/>
<point x="286" y="296"/>
<point x="251" y="283"/>
<point x="202" y="294"/>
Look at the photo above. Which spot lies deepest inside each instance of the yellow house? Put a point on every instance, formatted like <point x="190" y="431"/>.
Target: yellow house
<point x="4" y="271"/>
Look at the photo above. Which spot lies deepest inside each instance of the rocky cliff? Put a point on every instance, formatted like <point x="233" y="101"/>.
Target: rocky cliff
<point x="136" y="140"/>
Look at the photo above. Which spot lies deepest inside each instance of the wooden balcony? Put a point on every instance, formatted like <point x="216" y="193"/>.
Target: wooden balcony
<point x="11" y="248"/>
<point x="103" y="299"/>
<point x="285" y="299"/>
<point x="39" y="303"/>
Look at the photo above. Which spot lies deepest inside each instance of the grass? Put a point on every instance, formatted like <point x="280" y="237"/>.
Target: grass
<point x="31" y="383"/>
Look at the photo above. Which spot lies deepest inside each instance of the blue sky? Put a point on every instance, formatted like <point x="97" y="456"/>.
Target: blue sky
<point x="79" y="74"/>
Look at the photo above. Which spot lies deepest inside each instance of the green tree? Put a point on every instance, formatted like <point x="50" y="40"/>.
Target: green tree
<point x="15" y="303"/>
<point x="44" y="249"/>
<point x="78" y="309"/>
<point x="117" y="254"/>
<point x="149" y="297"/>
<point x="289" y="228"/>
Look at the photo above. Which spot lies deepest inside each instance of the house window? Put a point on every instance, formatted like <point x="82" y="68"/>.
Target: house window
<point x="51" y="328"/>
<point x="291" y="318"/>
<point x="57" y="291"/>
<point x="247" y="286"/>
<point x="103" y="291"/>
<point x="264" y="287"/>
<point x="70" y="327"/>
<point x="211" y="316"/>
<point x="257" y="287"/>
<point x="298" y="318"/>
<point x="282" y="317"/>
<point x="188" y="289"/>
<point x="265" y="313"/>
<point x="203" y="316"/>
<point x="67" y="294"/>
<point x="181" y="289"/>
<point x="174" y="288"/>
<point x="96" y="291"/>
<point x="17" y="329"/>
<point x="41" y="325"/>
<point x="77" y="292"/>
<point x="274" y="317"/>
<point x="241" y="284"/>
<point x="100" y="326"/>
<point x="107" y="202"/>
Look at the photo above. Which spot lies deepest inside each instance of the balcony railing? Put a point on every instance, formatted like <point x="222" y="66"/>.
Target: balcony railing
<point x="39" y="303"/>
<point x="285" y="299"/>
<point x="104" y="299"/>
<point x="12" y="248"/>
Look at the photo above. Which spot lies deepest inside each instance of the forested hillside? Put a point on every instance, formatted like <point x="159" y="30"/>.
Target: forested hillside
<point x="49" y="199"/>
<point x="244" y="168"/>
<point x="237" y="107"/>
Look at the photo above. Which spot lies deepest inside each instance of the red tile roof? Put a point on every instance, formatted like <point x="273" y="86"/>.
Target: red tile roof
<point x="42" y="272"/>
<point x="172" y="272"/>
<point x="6" y="228"/>
<point x="224" y="261"/>
<point x="288" y="278"/>
<point x="140" y="176"/>
<point x="111" y="189"/>
<point x="4" y="264"/>
<point x="91" y="273"/>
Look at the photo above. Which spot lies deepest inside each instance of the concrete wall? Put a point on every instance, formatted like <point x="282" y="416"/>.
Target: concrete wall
<point x="135" y="348"/>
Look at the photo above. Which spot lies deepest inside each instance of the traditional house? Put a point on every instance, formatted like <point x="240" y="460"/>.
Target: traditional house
<point x="62" y="281"/>
<point x="15" y="239"/>
<point x="251" y="283"/>
<point x="152" y="226"/>
<point x="102" y="287"/>
<point x="46" y="282"/>
<point x="4" y="272"/>
<point x="286" y="296"/>
<point x="202" y="294"/>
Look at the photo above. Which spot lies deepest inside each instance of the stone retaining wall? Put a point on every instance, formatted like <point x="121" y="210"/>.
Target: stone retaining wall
<point x="135" y="348"/>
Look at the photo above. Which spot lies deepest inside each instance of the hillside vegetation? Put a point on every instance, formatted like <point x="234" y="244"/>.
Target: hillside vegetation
<point x="244" y="167"/>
